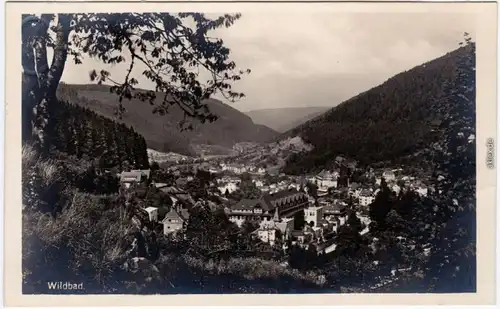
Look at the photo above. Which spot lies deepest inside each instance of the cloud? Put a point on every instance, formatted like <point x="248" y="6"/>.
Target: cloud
<point x="312" y="59"/>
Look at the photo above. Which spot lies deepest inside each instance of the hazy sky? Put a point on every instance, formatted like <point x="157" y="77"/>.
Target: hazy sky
<point x="322" y="59"/>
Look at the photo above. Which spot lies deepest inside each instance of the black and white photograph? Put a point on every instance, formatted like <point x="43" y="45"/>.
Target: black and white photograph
<point x="227" y="151"/>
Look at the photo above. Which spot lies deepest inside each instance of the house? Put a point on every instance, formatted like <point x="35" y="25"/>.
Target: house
<point x="267" y="234"/>
<point x="301" y="237"/>
<point x="146" y="174"/>
<point x="313" y="215"/>
<point x="326" y="180"/>
<point x="152" y="213"/>
<point x="325" y="226"/>
<point x="174" y="221"/>
<point x="334" y="224"/>
<point x="261" y="171"/>
<point x="317" y="232"/>
<point x="232" y="179"/>
<point x="282" y="204"/>
<point x="214" y="170"/>
<point x="366" y="197"/>
<point x="247" y="209"/>
<point x="229" y="187"/>
<point x="354" y="189"/>
<point x="258" y="183"/>
<point x="284" y="225"/>
<point x="389" y="176"/>
<point x="129" y="179"/>
<point x="301" y="181"/>
<point x="334" y="211"/>
<point x="235" y="168"/>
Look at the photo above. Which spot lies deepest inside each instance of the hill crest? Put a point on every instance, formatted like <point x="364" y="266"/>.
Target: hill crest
<point x="162" y="132"/>
<point x="387" y="122"/>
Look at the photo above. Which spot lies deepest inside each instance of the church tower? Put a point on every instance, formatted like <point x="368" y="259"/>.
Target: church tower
<point x="276" y="217"/>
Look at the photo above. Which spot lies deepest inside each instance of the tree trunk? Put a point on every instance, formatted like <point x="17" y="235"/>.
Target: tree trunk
<point x="39" y="81"/>
<point x="30" y="87"/>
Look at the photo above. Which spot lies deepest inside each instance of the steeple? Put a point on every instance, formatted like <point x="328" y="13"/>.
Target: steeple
<point x="276" y="217"/>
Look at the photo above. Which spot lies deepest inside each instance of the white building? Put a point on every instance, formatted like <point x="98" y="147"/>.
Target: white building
<point x="326" y="180"/>
<point x="258" y="183"/>
<point x="313" y="214"/>
<point x="214" y="170"/>
<point x="284" y="225"/>
<point x="235" y="168"/>
<point x="366" y="197"/>
<point x="261" y="171"/>
<point x="230" y="187"/>
<point x="267" y="234"/>
<point x="152" y="213"/>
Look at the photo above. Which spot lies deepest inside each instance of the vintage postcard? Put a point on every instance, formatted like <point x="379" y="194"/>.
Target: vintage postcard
<point x="250" y="153"/>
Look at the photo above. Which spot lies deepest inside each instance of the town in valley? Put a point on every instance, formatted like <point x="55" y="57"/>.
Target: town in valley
<point x="351" y="171"/>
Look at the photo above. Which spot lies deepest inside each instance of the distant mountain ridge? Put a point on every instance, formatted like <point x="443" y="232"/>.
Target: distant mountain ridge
<point x="162" y="133"/>
<point x="388" y="122"/>
<point x="286" y="118"/>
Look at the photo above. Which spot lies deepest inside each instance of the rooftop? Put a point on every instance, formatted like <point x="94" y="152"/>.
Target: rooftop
<point x="325" y="174"/>
<point x="246" y="204"/>
<point x="146" y="173"/>
<point x="314" y="207"/>
<point x="266" y="201"/>
<point x="334" y="208"/>
<point x="130" y="176"/>
<point x="365" y="192"/>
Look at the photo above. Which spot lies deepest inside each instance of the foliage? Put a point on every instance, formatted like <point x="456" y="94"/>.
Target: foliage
<point x="305" y="259"/>
<point x="312" y="189"/>
<point x="299" y="220"/>
<point x="77" y="131"/>
<point x="154" y="166"/>
<point x="43" y="183"/>
<point x="455" y="244"/>
<point x="246" y="190"/>
<point x="354" y="222"/>
<point x="171" y="51"/>
<point x="382" y="204"/>
<point x="210" y="234"/>
<point x="89" y="239"/>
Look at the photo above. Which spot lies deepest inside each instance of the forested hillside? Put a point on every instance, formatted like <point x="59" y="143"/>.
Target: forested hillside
<point x="387" y="122"/>
<point x="162" y="132"/>
<point x="78" y="131"/>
